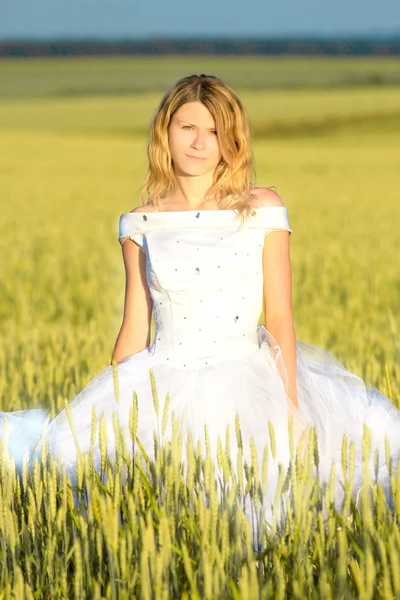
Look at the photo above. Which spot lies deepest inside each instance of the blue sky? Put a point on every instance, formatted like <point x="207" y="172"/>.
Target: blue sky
<point x="113" y="19"/>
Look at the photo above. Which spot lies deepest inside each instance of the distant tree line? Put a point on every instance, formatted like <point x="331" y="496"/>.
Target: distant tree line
<point x="313" y="47"/>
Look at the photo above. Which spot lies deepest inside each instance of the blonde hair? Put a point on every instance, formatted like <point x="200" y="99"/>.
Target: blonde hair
<point x="232" y="177"/>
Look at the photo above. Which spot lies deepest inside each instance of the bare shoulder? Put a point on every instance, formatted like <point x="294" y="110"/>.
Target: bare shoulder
<point x="141" y="209"/>
<point x="266" y="197"/>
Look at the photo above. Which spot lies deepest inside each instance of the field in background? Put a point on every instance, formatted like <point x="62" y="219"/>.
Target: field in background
<point x="94" y="76"/>
<point x="73" y="155"/>
<point x="70" y="166"/>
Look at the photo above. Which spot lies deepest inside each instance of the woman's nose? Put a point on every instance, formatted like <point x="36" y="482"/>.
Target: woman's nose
<point x="199" y="140"/>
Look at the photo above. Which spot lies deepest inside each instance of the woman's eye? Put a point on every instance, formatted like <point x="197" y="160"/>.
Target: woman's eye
<point x="190" y="127"/>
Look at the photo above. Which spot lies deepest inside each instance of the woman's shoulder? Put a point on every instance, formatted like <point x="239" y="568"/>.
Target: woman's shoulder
<point x="266" y="197"/>
<point x="144" y="208"/>
<point x="263" y="197"/>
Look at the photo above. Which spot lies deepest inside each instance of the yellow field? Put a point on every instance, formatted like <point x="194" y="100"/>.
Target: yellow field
<point x="62" y="273"/>
<point x="70" y="166"/>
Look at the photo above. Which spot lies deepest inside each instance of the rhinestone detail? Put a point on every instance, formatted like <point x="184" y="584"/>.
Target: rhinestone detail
<point x="197" y="270"/>
<point x="144" y="218"/>
<point x="236" y="319"/>
<point x="197" y="215"/>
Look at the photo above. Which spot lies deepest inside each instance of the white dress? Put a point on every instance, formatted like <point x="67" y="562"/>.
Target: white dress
<point x="209" y="354"/>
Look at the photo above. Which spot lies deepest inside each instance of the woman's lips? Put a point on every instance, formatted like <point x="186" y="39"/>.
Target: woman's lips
<point x="195" y="157"/>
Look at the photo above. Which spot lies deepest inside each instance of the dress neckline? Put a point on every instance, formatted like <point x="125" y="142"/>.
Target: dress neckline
<point x="142" y="222"/>
<point x="200" y="210"/>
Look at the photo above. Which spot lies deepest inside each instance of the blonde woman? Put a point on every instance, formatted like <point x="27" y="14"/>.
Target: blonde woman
<point x="202" y="251"/>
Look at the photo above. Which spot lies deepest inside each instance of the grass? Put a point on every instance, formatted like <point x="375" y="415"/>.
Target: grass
<point x="155" y="529"/>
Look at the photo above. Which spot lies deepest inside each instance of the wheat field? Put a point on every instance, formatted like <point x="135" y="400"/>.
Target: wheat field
<point x="71" y="161"/>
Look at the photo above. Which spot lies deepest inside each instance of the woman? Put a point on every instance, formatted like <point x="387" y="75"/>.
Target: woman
<point x="202" y="251"/>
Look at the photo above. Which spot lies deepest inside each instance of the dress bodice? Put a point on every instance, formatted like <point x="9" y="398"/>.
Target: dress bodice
<point x="205" y="278"/>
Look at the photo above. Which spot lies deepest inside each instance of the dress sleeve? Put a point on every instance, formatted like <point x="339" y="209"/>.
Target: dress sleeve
<point x="275" y="218"/>
<point x="129" y="229"/>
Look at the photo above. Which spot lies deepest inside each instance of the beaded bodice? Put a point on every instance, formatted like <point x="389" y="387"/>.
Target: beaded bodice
<point x="205" y="277"/>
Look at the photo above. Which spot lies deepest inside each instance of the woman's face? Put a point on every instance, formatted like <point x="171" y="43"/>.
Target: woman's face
<point x="192" y="133"/>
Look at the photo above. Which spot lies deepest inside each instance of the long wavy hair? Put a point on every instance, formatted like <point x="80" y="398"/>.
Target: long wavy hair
<point x="231" y="186"/>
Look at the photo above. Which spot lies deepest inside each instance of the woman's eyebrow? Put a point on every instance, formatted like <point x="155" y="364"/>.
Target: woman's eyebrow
<point x="192" y="125"/>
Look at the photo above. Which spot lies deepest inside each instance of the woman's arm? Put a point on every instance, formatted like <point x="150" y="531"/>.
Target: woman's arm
<point x="134" y="334"/>
<point x="283" y="332"/>
<point x="277" y="293"/>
